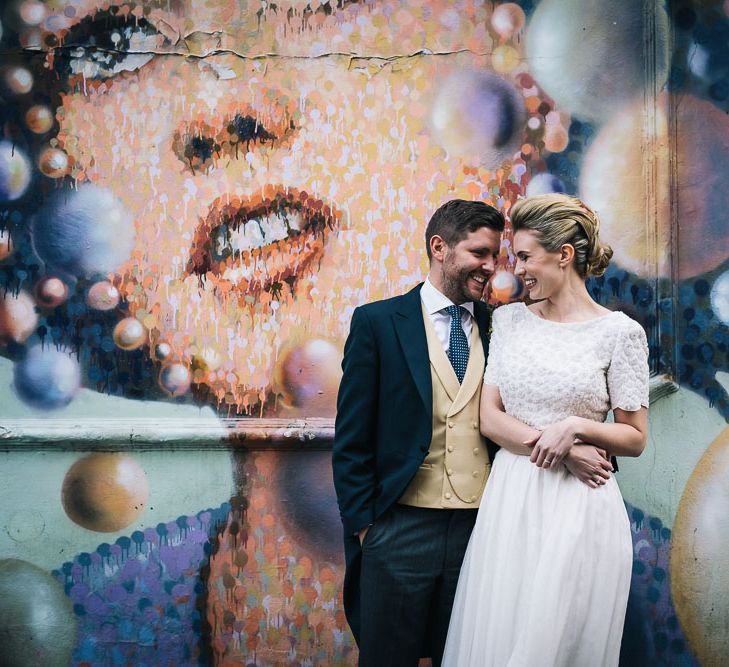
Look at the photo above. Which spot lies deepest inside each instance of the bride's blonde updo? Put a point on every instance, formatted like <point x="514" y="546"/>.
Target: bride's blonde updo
<point x="557" y="219"/>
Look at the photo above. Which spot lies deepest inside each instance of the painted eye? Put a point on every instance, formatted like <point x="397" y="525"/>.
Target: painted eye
<point x="104" y="44"/>
<point x="248" y="129"/>
<point x="199" y="151"/>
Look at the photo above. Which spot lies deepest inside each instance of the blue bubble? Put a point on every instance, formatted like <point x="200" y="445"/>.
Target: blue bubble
<point x="83" y="232"/>
<point x="47" y="378"/>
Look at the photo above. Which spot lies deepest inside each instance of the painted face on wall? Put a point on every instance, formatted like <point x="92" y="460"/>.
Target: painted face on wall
<point x="271" y="194"/>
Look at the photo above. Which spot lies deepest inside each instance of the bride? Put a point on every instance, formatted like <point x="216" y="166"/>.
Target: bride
<point x="546" y="576"/>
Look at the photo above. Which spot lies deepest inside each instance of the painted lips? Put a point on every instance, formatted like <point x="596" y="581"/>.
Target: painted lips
<point x="248" y="245"/>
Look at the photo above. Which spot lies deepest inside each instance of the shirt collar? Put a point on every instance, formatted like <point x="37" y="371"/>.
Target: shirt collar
<point x="435" y="301"/>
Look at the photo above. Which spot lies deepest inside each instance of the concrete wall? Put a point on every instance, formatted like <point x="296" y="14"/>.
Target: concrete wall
<point x="194" y="196"/>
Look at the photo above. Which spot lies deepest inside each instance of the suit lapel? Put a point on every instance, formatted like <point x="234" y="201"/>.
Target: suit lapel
<point x="474" y="373"/>
<point x="439" y="360"/>
<point x="410" y="330"/>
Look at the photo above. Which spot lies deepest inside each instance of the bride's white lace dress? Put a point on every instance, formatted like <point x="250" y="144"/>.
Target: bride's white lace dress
<point x="546" y="576"/>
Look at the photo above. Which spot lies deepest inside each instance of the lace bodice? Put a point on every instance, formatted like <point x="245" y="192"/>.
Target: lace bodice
<point x="547" y="371"/>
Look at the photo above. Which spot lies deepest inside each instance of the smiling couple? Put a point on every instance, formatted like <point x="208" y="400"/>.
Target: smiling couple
<point x="435" y="421"/>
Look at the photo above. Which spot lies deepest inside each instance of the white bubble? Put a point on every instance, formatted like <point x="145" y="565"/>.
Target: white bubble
<point x="720" y="297"/>
<point x="15" y="171"/>
<point x="588" y="55"/>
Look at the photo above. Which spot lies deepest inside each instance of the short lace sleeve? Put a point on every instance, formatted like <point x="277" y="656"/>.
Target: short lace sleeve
<point x="499" y="322"/>
<point x="627" y="376"/>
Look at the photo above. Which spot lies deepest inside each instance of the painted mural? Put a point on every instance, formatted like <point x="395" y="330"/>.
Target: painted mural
<point x="196" y="194"/>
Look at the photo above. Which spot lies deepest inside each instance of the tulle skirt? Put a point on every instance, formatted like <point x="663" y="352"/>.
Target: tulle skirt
<point x="546" y="576"/>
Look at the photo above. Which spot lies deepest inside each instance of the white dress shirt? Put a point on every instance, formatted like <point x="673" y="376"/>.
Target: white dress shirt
<point x="435" y="302"/>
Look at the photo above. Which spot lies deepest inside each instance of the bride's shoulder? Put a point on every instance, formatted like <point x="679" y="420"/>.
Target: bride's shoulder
<point x="508" y="313"/>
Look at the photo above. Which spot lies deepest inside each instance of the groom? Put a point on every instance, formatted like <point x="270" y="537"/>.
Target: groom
<point x="409" y="462"/>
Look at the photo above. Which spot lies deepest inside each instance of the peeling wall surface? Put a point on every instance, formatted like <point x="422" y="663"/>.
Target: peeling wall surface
<point x="196" y="194"/>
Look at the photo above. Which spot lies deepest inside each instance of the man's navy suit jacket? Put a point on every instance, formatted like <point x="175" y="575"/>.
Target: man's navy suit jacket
<point x="384" y="418"/>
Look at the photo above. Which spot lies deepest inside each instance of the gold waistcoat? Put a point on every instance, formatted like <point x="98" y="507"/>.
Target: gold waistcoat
<point x="455" y="470"/>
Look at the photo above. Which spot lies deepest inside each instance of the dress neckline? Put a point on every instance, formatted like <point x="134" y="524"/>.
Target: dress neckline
<point x="566" y="324"/>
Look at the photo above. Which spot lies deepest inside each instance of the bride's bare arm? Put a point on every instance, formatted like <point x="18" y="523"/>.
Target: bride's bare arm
<point x="503" y="429"/>
<point x="625" y="437"/>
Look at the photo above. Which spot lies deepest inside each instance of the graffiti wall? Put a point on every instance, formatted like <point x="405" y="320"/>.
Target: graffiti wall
<point x="196" y="194"/>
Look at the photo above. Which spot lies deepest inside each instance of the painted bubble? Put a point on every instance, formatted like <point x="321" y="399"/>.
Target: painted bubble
<point x="6" y="244"/>
<point x="720" y="297"/>
<point x="175" y="379"/>
<point x="507" y="19"/>
<point x="47" y="378"/>
<point x="105" y="492"/>
<point x="83" y="232"/>
<point x="18" y="317"/>
<point x="39" y="119"/>
<point x="53" y="162"/>
<point x="162" y="351"/>
<point x="307" y="377"/>
<point x="129" y="334"/>
<point x="556" y="138"/>
<point x="622" y="196"/>
<point x="18" y="80"/>
<point x="699" y="562"/>
<point x="102" y="296"/>
<point x="544" y="183"/>
<point x="478" y="115"/>
<point x="32" y="12"/>
<point x="37" y="623"/>
<point x="588" y="54"/>
<point x="50" y="292"/>
<point x="15" y="172"/>
<point x="505" y="286"/>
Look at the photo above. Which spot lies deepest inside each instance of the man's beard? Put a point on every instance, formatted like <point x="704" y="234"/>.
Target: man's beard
<point x="454" y="285"/>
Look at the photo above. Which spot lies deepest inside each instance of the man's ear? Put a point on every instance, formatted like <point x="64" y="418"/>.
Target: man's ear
<point x="566" y="254"/>
<point x="437" y="247"/>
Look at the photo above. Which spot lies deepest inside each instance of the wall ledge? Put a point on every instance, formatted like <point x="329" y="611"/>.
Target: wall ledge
<point x="309" y="433"/>
<point x="123" y="434"/>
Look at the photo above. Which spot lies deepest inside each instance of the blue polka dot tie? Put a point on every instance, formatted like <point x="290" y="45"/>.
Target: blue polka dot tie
<point x="457" y="343"/>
